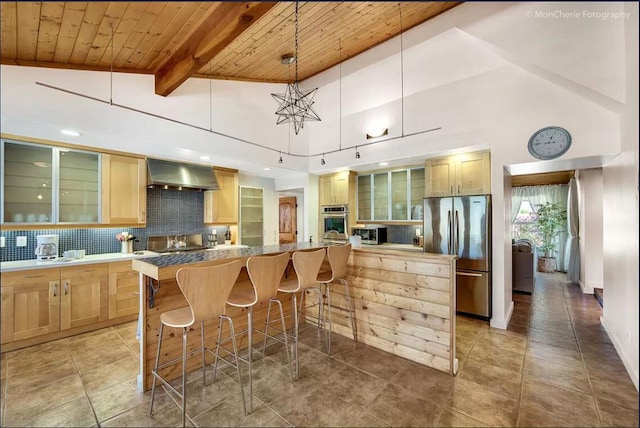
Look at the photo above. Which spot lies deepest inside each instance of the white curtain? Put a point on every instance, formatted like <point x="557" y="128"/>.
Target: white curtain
<point x="553" y="193"/>
<point x="573" y="250"/>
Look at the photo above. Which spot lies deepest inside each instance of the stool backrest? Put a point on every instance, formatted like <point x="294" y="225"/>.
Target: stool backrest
<point x="207" y="288"/>
<point x="338" y="256"/>
<point x="266" y="273"/>
<point x="307" y="265"/>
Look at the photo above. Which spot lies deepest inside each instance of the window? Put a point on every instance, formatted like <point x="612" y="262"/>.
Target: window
<point x="524" y="226"/>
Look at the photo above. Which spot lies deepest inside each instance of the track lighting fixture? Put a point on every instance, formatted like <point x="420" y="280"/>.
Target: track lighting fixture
<point x="357" y="153"/>
<point x="322" y="162"/>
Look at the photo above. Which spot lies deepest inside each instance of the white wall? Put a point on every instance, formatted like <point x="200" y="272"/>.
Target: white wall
<point x="589" y="183"/>
<point x="620" y="218"/>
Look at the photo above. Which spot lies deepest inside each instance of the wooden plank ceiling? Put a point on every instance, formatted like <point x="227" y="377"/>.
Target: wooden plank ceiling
<point x="219" y="40"/>
<point x="558" y="177"/>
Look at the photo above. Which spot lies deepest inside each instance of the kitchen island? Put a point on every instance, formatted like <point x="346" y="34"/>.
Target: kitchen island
<point x="404" y="301"/>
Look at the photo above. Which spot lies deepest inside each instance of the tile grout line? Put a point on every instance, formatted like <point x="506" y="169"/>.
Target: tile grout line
<point x="586" y="371"/>
<point x="524" y="359"/>
<point x="86" y="394"/>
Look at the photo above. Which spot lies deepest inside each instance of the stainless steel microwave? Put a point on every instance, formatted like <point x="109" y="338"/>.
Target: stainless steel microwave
<point x="371" y="235"/>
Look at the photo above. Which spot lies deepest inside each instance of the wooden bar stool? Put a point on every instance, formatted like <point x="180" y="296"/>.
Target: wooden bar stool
<point x="306" y="265"/>
<point x="265" y="273"/>
<point x="338" y="256"/>
<point x="206" y="290"/>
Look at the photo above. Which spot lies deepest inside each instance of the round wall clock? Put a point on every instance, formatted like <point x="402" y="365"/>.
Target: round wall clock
<point x="549" y="143"/>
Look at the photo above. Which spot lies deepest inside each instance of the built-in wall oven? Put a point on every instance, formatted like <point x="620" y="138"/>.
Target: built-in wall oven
<point x="335" y="222"/>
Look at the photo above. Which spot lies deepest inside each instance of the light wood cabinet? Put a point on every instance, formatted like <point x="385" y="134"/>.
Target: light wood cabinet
<point x="123" y="290"/>
<point x="221" y="206"/>
<point x="124" y="190"/>
<point x="84" y="297"/>
<point x="465" y="174"/>
<point x="30" y="304"/>
<point x="337" y="189"/>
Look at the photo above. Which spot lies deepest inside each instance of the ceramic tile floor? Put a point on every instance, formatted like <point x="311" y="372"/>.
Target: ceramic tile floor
<point x="554" y="366"/>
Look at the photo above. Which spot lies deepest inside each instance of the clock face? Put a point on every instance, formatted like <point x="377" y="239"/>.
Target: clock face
<point x="549" y="143"/>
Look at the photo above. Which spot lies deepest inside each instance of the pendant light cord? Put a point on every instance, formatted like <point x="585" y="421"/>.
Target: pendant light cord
<point x="401" y="72"/>
<point x="340" y="91"/>
<point x="296" y="41"/>
<point x="111" y="70"/>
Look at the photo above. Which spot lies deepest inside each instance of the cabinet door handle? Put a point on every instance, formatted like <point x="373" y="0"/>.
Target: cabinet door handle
<point x="66" y="288"/>
<point x="55" y="289"/>
<point x="469" y="274"/>
<point x="458" y="189"/>
<point x="86" y="270"/>
<point x="34" y="276"/>
<point x="452" y="190"/>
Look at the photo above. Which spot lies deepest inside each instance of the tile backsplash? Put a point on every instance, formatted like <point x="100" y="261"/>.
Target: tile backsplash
<point x="401" y="234"/>
<point x="168" y="212"/>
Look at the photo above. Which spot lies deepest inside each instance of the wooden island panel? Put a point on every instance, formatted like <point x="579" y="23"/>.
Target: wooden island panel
<point x="404" y="304"/>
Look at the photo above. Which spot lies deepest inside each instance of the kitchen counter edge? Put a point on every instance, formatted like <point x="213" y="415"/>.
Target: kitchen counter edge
<point x="94" y="258"/>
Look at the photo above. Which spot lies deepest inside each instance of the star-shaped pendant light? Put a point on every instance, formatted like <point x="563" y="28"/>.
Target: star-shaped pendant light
<point x="296" y="104"/>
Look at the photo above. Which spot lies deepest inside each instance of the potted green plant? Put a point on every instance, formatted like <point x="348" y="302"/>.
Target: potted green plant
<point x="551" y="220"/>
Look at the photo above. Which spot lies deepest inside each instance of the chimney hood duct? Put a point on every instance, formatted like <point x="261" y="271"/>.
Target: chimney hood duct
<point x="175" y="175"/>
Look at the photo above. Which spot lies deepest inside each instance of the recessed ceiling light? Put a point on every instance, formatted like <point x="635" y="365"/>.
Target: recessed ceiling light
<point x="383" y="163"/>
<point x="70" y="132"/>
<point x="205" y="157"/>
<point x="267" y="168"/>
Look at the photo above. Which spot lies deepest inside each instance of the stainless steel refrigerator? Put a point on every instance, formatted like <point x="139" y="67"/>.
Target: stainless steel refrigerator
<point x="461" y="225"/>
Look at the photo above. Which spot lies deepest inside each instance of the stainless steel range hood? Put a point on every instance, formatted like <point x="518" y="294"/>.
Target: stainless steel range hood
<point x="177" y="175"/>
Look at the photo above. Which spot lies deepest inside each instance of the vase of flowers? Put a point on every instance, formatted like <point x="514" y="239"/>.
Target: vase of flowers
<point x="126" y="241"/>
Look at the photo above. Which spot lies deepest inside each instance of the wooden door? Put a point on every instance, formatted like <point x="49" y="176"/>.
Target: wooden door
<point x="84" y="295"/>
<point x="440" y="175"/>
<point x="124" y="190"/>
<point x="124" y="296"/>
<point x="30" y="304"/>
<point x="221" y="206"/>
<point x="287" y="220"/>
<point x="325" y="190"/>
<point x="473" y="174"/>
<point x="340" y="188"/>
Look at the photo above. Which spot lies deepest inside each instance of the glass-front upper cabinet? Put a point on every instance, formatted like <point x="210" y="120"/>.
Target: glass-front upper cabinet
<point x="416" y="192"/>
<point x="364" y="197"/>
<point x="79" y="191"/>
<point x="395" y="195"/>
<point x="45" y="184"/>
<point x="27" y="183"/>
<point x="381" y="196"/>
<point x="399" y="195"/>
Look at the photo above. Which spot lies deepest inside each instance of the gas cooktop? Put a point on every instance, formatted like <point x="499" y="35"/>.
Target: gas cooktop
<point x="175" y="243"/>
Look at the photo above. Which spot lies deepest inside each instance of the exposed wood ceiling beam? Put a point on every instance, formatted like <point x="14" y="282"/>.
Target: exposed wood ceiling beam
<point x="225" y="22"/>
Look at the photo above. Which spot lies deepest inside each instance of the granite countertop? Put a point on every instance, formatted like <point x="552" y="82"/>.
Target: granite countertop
<point x="392" y="246"/>
<point x="221" y="254"/>
<point x="61" y="262"/>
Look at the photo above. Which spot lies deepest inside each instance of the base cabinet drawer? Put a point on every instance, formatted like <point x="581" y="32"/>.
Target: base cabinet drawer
<point x="124" y="297"/>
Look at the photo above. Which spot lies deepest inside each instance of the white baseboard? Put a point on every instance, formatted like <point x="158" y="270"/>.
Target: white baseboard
<point x="621" y="353"/>
<point x="502" y="324"/>
<point x="585" y="288"/>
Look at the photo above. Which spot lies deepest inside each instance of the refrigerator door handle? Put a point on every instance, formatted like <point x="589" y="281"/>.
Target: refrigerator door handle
<point x="468" y="274"/>
<point x="457" y="247"/>
<point x="449" y="233"/>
